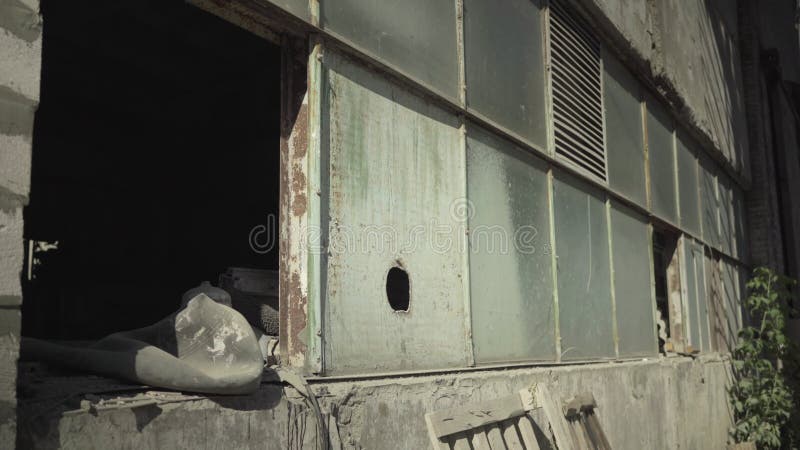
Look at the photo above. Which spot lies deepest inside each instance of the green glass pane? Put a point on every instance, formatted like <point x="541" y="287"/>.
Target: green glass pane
<point x="743" y="278"/>
<point x="727" y="233"/>
<point x="624" y="134"/>
<point x="417" y="37"/>
<point x="688" y="186"/>
<point x="731" y="300"/>
<point x="584" y="288"/>
<point x="662" y="163"/>
<point x="630" y="237"/>
<point x="505" y="65"/>
<point x="709" y="202"/>
<point x="739" y="224"/>
<point x="511" y="279"/>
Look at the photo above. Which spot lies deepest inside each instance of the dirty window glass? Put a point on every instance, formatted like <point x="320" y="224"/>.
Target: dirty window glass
<point x="739" y="224"/>
<point x="584" y="288"/>
<point x="727" y="233"/>
<point x="504" y="65"/>
<point x="297" y="8"/>
<point x="731" y="301"/>
<point x="624" y="134"/>
<point x="709" y="202"/>
<point x="634" y="301"/>
<point x="710" y="286"/>
<point x="743" y="278"/>
<point x="417" y="37"/>
<point x="662" y="162"/>
<point x="511" y="279"/>
<point x="688" y="185"/>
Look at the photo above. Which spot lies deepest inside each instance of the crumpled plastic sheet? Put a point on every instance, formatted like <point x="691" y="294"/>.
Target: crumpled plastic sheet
<point x="205" y="347"/>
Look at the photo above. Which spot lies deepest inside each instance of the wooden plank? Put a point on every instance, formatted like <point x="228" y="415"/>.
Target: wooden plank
<point x="460" y="441"/>
<point x="447" y="422"/>
<point x="552" y="408"/>
<point x="495" y="437"/>
<point x="577" y="434"/>
<point x="479" y="440"/>
<point x="511" y="436"/>
<point x="594" y="429"/>
<point x="436" y="443"/>
<point x="525" y="427"/>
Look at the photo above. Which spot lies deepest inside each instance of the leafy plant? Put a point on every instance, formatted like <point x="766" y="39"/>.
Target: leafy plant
<point x="761" y="398"/>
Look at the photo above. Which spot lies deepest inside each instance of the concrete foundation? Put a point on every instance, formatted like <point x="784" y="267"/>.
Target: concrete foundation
<point x="649" y="404"/>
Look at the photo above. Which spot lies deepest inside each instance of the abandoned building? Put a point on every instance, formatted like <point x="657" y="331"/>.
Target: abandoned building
<point x="448" y="201"/>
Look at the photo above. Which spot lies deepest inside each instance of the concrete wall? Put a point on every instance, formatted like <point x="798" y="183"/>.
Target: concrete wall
<point x="689" y="51"/>
<point x="666" y="403"/>
<point x="20" y="53"/>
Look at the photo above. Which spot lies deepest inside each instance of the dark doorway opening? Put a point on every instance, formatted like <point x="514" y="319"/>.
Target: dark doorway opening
<point x="155" y="155"/>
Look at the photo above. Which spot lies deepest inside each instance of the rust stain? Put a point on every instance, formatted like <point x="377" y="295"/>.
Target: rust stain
<point x="293" y="185"/>
<point x="299" y="205"/>
<point x="298" y="143"/>
<point x="298" y="312"/>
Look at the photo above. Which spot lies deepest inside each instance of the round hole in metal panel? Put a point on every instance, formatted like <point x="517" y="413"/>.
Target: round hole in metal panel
<point x="398" y="289"/>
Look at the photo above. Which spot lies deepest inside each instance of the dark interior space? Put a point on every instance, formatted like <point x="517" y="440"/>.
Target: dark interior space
<point x="155" y="152"/>
<point x="398" y="289"/>
<point x="664" y="247"/>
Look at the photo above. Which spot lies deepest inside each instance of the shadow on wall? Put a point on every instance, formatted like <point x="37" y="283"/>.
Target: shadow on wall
<point x="722" y="81"/>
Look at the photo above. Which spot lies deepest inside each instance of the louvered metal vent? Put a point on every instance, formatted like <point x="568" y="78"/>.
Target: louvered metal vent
<point x="576" y="92"/>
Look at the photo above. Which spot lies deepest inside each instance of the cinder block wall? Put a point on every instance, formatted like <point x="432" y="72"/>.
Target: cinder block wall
<point x="20" y="66"/>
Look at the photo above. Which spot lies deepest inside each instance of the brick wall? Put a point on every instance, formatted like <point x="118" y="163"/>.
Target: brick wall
<point x="20" y="64"/>
<point x="765" y="243"/>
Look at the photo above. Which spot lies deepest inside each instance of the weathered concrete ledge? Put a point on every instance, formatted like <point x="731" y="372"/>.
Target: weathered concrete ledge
<point x="657" y="403"/>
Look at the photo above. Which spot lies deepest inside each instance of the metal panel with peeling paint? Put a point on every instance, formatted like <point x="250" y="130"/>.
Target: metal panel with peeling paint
<point x="397" y="185"/>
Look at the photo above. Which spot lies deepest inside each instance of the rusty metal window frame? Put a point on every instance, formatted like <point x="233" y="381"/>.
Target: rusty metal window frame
<point x="301" y="333"/>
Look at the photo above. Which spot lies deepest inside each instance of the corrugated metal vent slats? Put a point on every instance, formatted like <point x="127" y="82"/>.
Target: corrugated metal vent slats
<point x="576" y="92"/>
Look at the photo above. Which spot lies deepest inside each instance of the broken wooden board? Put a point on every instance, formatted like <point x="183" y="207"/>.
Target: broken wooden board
<point x="495" y="424"/>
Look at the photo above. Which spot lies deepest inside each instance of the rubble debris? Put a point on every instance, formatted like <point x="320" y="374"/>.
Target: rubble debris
<point x="254" y="293"/>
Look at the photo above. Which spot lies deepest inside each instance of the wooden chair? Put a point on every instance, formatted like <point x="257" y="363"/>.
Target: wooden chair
<point x="585" y="430"/>
<point x="505" y="423"/>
